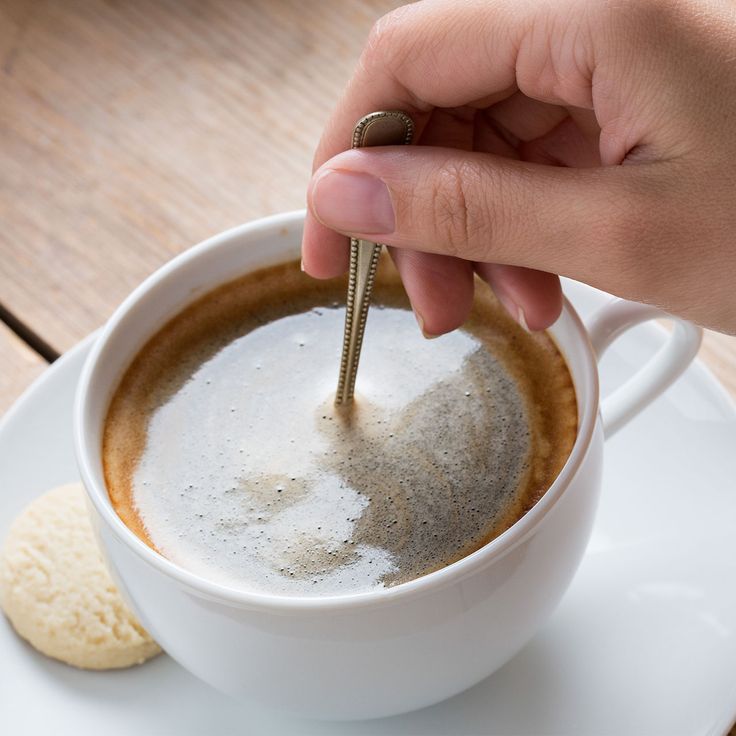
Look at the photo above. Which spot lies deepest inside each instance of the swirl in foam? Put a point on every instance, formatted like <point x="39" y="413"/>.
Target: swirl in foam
<point x="241" y="469"/>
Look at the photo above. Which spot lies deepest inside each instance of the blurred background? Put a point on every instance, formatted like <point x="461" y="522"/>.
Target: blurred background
<point x="132" y="129"/>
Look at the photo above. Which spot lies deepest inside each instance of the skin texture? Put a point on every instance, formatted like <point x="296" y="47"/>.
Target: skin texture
<point x="587" y="138"/>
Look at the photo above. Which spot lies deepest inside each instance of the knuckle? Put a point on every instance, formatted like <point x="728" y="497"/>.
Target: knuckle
<point x="626" y="236"/>
<point x="461" y="220"/>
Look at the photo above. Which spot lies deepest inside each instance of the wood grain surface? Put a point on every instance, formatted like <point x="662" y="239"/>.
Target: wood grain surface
<point x="131" y="130"/>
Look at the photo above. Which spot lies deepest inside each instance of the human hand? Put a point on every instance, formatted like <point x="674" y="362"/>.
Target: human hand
<point x="586" y="138"/>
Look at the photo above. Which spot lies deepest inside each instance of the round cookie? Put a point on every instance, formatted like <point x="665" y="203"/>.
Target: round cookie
<point x="57" y="592"/>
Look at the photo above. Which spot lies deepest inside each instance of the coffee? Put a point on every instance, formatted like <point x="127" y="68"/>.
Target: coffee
<point x="223" y="449"/>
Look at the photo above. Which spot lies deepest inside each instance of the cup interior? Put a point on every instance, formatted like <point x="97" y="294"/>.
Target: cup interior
<point x="214" y="262"/>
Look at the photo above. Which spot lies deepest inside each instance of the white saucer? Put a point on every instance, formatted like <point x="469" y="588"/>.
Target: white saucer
<point x="643" y="642"/>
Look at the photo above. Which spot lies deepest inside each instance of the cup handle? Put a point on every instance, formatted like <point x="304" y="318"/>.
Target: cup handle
<point x="681" y="347"/>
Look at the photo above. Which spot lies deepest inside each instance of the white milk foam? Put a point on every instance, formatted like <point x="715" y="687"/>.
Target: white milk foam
<point x="251" y="477"/>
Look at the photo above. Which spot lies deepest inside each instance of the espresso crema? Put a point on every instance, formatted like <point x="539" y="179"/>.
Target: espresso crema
<point x="224" y="451"/>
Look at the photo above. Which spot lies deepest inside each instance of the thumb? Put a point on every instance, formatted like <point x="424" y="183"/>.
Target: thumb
<point x="485" y="208"/>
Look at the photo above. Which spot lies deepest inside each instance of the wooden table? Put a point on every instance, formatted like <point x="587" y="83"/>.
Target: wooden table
<point x="130" y="131"/>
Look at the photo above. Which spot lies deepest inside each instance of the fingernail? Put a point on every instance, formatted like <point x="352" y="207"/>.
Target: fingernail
<point x="513" y="309"/>
<point x="521" y="319"/>
<point x="352" y="203"/>
<point x="420" y="321"/>
<point x="301" y="265"/>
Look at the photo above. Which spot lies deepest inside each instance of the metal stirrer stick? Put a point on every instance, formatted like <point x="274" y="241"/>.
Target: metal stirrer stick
<point x="385" y="128"/>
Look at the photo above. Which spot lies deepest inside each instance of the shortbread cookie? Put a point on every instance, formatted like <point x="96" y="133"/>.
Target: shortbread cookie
<point x="58" y="594"/>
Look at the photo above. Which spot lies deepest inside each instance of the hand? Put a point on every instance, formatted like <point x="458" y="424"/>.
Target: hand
<point x="587" y="138"/>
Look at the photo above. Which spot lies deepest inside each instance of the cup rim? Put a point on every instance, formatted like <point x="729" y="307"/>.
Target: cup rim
<point x="495" y="549"/>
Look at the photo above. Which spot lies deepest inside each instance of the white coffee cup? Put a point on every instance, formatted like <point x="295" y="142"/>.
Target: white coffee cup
<point x="390" y="650"/>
